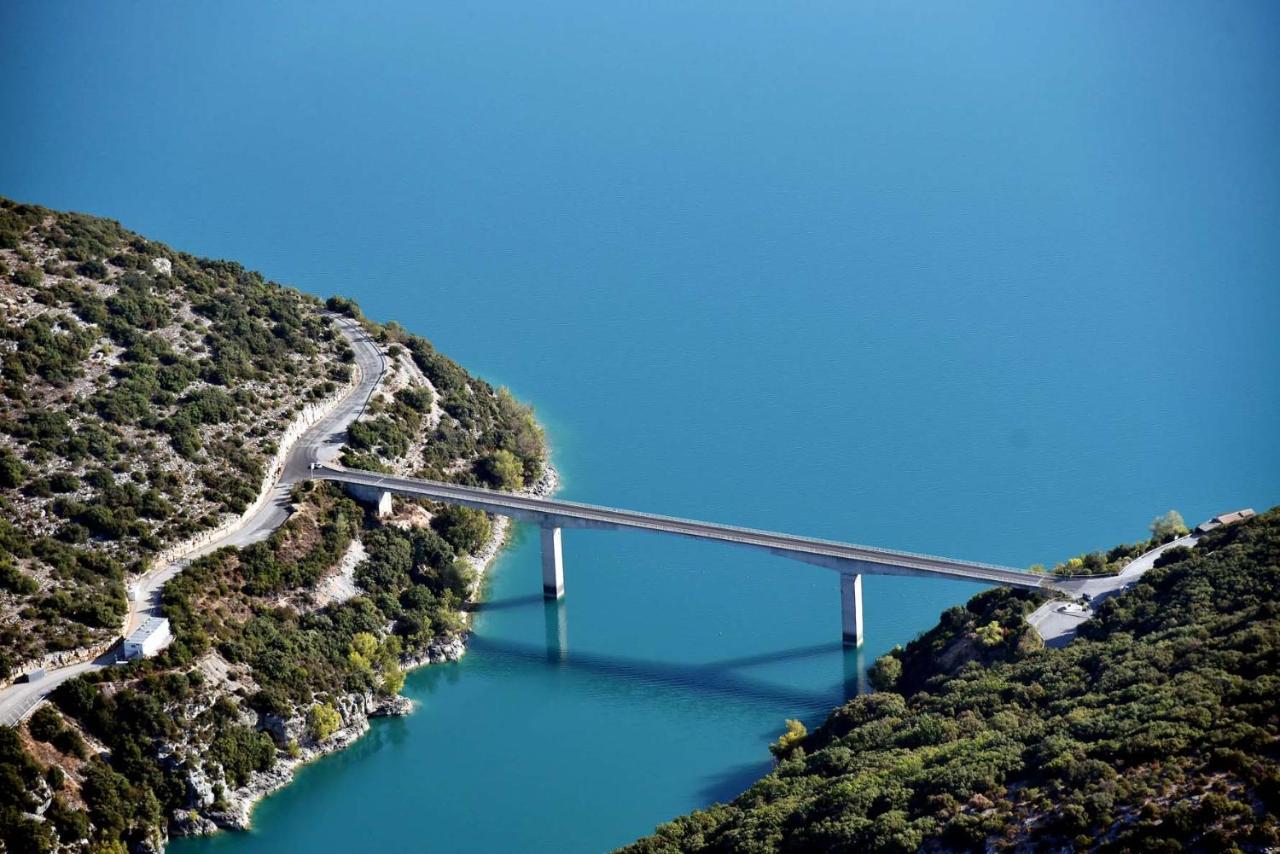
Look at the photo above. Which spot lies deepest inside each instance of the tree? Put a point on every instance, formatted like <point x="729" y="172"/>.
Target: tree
<point x="991" y="634"/>
<point x="392" y="678"/>
<point x="12" y="471"/>
<point x="463" y="528"/>
<point x="502" y="469"/>
<point x="886" y="672"/>
<point x="322" y="721"/>
<point x="45" y="724"/>
<point x="789" y="740"/>
<point x="1168" y="527"/>
<point x="364" y="646"/>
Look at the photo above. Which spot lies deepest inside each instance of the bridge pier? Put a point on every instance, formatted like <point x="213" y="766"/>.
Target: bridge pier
<point x="552" y="563"/>
<point x="851" y="608"/>
<point x="379" y="499"/>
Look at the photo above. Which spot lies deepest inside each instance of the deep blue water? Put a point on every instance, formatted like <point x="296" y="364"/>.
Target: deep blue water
<point x="997" y="281"/>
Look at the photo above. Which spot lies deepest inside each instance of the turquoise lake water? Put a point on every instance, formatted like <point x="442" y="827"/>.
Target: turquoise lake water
<point x="998" y="281"/>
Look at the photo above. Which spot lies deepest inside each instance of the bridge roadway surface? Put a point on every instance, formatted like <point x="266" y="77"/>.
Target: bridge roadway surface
<point x="548" y="512"/>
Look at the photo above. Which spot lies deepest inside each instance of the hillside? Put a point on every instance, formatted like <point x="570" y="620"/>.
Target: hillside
<point x="1155" y="730"/>
<point x="141" y="393"/>
<point x="141" y="401"/>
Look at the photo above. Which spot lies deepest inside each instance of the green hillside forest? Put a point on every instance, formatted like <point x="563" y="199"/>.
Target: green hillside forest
<point x="1155" y="730"/>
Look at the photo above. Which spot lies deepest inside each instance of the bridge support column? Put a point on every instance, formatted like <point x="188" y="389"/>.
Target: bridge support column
<point x="851" y="608"/>
<point x="552" y="564"/>
<point x="379" y="499"/>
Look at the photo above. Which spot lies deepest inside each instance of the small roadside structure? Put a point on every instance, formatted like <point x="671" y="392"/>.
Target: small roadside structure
<point x="148" y="639"/>
<point x="1224" y="520"/>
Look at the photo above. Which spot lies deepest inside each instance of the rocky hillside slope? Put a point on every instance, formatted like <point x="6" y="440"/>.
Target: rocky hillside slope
<point x="141" y="393"/>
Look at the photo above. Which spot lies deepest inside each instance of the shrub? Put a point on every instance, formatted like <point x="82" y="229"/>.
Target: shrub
<point x="463" y="528"/>
<point x="45" y="723"/>
<point x="501" y="469"/>
<point x="1168" y="527"/>
<point x="12" y="471"/>
<point x="886" y="672"/>
<point x="322" y="721"/>
<point x="29" y="277"/>
<point x="789" y="740"/>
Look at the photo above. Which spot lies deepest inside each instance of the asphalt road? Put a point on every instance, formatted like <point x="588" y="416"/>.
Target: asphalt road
<point x="1057" y="619"/>
<point x="320" y="444"/>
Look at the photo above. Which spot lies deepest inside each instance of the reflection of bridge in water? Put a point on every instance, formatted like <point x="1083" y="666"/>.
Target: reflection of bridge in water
<point x="551" y="515"/>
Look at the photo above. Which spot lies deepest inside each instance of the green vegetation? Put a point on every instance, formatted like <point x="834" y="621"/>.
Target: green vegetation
<point x="115" y="376"/>
<point x="501" y="469"/>
<point x="142" y="391"/>
<point x="1163" y="529"/>
<point x="1156" y="730"/>
<point x="787" y="742"/>
<point x="1168" y="527"/>
<point x="462" y="528"/>
<point x="322" y="721"/>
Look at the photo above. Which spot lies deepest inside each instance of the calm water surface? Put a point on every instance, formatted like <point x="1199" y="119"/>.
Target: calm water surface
<point x="991" y="281"/>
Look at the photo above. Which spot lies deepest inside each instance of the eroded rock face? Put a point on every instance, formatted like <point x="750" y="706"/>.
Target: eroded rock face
<point x="284" y="730"/>
<point x="198" y="816"/>
<point x="392" y="707"/>
<point x="191" y="823"/>
<point x="440" y="651"/>
<point x="199" y="789"/>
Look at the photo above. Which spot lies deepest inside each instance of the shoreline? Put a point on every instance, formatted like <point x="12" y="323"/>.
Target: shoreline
<point x="356" y="710"/>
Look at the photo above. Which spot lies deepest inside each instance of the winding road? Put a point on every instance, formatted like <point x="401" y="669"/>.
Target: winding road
<point x="320" y="443"/>
<point x="1058" y="619"/>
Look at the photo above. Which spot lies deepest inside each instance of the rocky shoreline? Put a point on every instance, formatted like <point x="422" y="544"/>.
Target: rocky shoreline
<point x="205" y="814"/>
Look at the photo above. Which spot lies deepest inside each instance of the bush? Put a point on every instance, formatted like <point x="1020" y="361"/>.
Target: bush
<point x="463" y="528"/>
<point x="789" y="740"/>
<point x="1168" y="557"/>
<point x="323" y="721"/>
<point x="12" y="471"/>
<point x="1168" y="527"/>
<point x="93" y="268"/>
<point x="502" y="470"/>
<point x="29" y="277"/>
<point x="886" y="672"/>
<point x="241" y="751"/>
<point x="45" y="723"/>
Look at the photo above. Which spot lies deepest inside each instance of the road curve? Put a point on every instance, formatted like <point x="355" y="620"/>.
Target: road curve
<point x="572" y="514"/>
<point x="319" y="444"/>
<point x="1057" y="620"/>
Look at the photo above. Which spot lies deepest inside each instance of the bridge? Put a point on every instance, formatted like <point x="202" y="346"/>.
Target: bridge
<point x="552" y="515"/>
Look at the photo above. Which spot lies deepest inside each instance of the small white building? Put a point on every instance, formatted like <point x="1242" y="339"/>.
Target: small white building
<point x="148" y="639"/>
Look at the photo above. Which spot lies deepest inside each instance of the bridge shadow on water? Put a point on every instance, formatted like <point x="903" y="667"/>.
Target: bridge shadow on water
<point x="718" y="679"/>
<point x="508" y="603"/>
<point x="702" y="679"/>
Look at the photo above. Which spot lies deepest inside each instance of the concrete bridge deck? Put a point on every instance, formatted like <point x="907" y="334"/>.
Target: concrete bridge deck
<point x="850" y="560"/>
